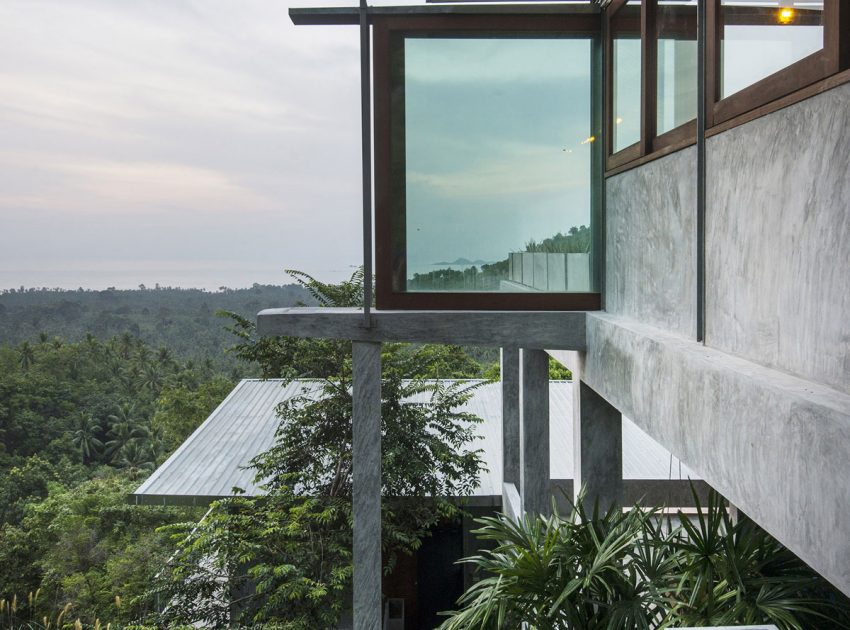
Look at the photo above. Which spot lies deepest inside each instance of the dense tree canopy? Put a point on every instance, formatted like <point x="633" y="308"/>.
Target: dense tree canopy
<point x="286" y="557"/>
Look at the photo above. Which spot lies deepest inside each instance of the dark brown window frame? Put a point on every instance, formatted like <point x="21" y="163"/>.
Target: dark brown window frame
<point x="820" y="71"/>
<point x="389" y="216"/>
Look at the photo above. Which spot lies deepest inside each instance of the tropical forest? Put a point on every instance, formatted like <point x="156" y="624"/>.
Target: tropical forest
<point x="98" y="388"/>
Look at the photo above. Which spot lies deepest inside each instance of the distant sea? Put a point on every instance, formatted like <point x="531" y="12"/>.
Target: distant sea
<point x="206" y="278"/>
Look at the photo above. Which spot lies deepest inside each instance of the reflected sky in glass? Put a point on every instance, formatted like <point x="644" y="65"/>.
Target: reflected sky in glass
<point x="750" y="52"/>
<point x="497" y="145"/>
<point x="676" y="99"/>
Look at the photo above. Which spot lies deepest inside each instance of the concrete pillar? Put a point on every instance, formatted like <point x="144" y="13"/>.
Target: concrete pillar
<point x="534" y="425"/>
<point x="598" y="447"/>
<point x="510" y="415"/>
<point x="366" y="490"/>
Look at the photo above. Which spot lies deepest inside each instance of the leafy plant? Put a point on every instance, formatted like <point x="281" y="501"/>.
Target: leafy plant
<point x="733" y="572"/>
<point x="576" y="572"/>
<point x="285" y="558"/>
<point x="637" y="569"/>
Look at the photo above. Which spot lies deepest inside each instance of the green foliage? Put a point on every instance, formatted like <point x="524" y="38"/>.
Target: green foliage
<point x="181" y="408"/>
<point x="181" y="320"/>
<point x="577" y="241"/>
<point x="287" y="555"/>
<point x="555" y="573"/>
<point x="557" y="371"/>
<point x="733" y="572"/>
<point x="636" y="569"/>
<point x="77" y="435"/>
<point x="84" y="547"/>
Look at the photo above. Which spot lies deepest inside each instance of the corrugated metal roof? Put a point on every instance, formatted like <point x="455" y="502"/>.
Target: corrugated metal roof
<point x="212" y="461"/>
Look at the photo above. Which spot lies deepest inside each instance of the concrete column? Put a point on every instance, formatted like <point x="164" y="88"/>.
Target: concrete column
<point x="510" y="415"/>
<point x="534" y="415"/>
<point x="366" y="490"/>
<point x="598" y="446"/>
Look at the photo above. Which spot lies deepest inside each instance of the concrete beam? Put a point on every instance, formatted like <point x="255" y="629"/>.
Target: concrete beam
<point x="510" y="416"/>
<point x="366" y="489"/>
<point x="775" y="445"/>
<point x="534" y="423"/>
<point x="513" y="329"/>
<point x="598" y="446"/>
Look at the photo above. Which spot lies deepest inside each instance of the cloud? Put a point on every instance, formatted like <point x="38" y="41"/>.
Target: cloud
<point x="514" y="170"/>
<point x="214" y="125"/>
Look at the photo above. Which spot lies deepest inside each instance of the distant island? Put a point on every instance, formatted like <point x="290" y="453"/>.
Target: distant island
<point x="462" y="261"/>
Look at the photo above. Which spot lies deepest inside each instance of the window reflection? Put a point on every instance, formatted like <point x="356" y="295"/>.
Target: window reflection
<point x="760" y="38"/>
<point x="676" y="26"/>
<point x="625" y="33"/>
<point x="497" y="159"/>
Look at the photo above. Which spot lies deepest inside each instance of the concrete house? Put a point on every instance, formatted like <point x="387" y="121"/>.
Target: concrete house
<point x="657" y="195"/>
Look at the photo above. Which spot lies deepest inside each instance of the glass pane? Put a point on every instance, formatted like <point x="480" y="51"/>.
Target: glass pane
<point x="760" y="38"/>
<point x="625" y="32"/>
<point x="497" y="148"/>
<point x="676" y="24"/>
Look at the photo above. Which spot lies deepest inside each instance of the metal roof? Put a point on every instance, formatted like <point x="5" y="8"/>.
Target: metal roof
<point x="213" y="460"/>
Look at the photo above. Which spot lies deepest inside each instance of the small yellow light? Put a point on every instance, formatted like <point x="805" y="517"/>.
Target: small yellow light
<point x="619" y="120"/>
<point x="786" y="15"/>
<point x="589" y="140"/>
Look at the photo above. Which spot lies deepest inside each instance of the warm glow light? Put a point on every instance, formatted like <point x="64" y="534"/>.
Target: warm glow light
<point x="619" y="120"/>
<point x="589" y="140"/>
<point x="786" y="15"/>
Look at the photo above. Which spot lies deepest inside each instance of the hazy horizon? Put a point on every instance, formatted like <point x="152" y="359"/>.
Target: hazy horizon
<point x="194" y="144"/>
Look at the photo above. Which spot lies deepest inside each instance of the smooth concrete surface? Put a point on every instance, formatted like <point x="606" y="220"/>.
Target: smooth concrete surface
<point x="778" y="239"/>
<point x="777" y="446"/>
<point x="526" y="329"/>
<point x="650" y="265"/>
<point x="366" y="485"/>
<point x="534" y="431"/>
<point x="598" y="456"/>
<point x="510" y="415"/>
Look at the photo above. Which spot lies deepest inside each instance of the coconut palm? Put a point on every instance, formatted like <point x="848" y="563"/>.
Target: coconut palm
<point x="135" y="457"/>
<point x="27" y="356"/>
<point x="85" y="437"/>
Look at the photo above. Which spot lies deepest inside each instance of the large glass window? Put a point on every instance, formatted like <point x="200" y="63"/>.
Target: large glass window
<point x="676" y="28"/>
<point x="491" y="154"/>
<point x="626" y="72"/>
<point x="761" y="38"/>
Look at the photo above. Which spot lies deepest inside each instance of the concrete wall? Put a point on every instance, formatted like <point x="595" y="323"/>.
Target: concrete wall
<point x="762" y="410"/>
<point x="774" y="444"/>
<point x="778" y="239"/>
<point x="650" y="267"/>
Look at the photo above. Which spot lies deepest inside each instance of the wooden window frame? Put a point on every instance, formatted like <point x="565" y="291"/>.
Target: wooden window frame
<point x="636" y="150"/>
<point x="650" y="145"/>
<point x="390" y="213"/>
<point x="798" y="75"/>
<point x="821" y="70"/>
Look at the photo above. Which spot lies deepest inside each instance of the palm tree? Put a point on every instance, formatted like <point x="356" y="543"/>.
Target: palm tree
<point x="135" y="457"/>
<point x="27" y="356"/>
<point x="85" y="437"/>
<point x="122" y="434"/>
<point x="125" y="345"/>
<point x="164" y="357"/>
<point x="151" y="378"/>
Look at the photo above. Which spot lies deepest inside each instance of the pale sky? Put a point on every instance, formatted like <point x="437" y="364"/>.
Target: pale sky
<point x="190" y="143"/>
<point x="202" y="143"/>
